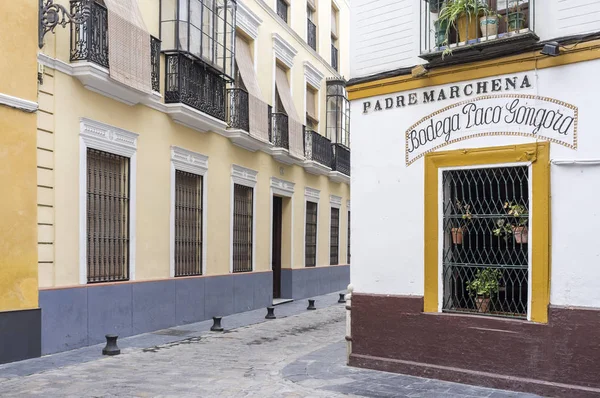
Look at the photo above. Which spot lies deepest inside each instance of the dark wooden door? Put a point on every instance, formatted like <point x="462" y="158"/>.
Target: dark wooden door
<point x="277" y="208"/>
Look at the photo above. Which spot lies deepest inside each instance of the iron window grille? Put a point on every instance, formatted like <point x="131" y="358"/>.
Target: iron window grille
<point x="334" y="237"/>
<point x="348" y="249"/>
<point x="282" y="10"/>
<point x="506" y="22"/>
<point x="311" y="34"/>
<point x="107" y="217"/>
<point x="485" y="244"/>
<point x="310" y="245"/>
<point x="89" y="40"/>
<point x="155" y="63"/>
<point x="203" y="30"/>
<point x="279" y="132"/>
<point x="242" y="228"/>
<point x="317" y="148"/>
<point x="238" y="112"/>
<point x="334" y="57"/>
<point x="188" y="224"/>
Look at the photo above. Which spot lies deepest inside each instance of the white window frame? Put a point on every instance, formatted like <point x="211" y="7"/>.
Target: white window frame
<point x="247" y="177"/>
<point x="335" y="202"/>
<point x="441" y="236"/>
<point x="195" y="163"/>
<point x="311" y="195"/>
<point x="313" y="78"/>
<point x="107" y="138"/>
<point x="284" y="189"/>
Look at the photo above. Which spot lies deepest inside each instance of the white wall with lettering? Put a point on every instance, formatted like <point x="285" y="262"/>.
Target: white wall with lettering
<point x="388" y="203"/>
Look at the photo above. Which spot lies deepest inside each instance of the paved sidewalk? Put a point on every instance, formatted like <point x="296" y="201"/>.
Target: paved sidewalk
<point x="300" y="354"/>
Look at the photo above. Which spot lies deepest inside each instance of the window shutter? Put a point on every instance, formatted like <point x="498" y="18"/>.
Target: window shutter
<point x="245" y="65"/>
<point x="311" y="104"/>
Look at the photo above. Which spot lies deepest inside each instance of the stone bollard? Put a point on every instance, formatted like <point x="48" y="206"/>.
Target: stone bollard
<point x="349" y="323"/>
<point x="216" y="327"/>
<point x="311" y="305"/>
<point x="270" y="313"/>
<point x="111" y="347"/>
<point x="342" y="299"/>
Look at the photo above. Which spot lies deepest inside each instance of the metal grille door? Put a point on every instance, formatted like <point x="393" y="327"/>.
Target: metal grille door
<point x="310" y="249"/>
<point x="107" y="217"/>
<point x="188" y="224"/>
<point x="334" y="239"/>
<point x="486" y="255"/>
<point x="242" y="228"/>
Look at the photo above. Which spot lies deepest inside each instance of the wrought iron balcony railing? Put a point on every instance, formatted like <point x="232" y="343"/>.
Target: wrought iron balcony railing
<point x="238" y="112"/>
<point x="279" y="135"/>
<point x="334" y="57"/>
<point x="89" y="41"/>
<point x="155" y="63"/>
<point x="496" y="23"/>
<point x="317" y="148"/>
<point x="341" y="159"/>
<point x="194" y="84"/>
<point x="311" y="34"/>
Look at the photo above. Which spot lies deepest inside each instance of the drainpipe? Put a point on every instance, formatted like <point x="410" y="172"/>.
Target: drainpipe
<point x="349" y="323"/>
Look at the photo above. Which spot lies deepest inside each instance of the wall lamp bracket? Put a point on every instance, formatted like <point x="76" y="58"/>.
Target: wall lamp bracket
<point x="551" y="49"/>
<point x="51" y="15"/>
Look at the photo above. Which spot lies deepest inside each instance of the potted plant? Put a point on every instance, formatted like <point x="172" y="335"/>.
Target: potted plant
<point x="516" y="224"/>
<point x="489" y="23"/>
<point x="483" y="286"/>
<point x="516" y="16"/>
<point x="434" y="5"/>
<point x="458" y="232"/>
<point x="464" y="15"/>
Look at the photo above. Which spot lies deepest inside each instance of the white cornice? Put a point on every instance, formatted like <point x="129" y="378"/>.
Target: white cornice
<point x="348" y="205"/>
<point x="108" y="138"/>
<point x="297" y="37"/>
<point x="312" y="75"/>
<point x="335" y="201"/>
<point x="247" y="21"/>
<point x="282" y="187"/>
<point x="18" y="103"/>
<point x="189" y="161"/>
<point x="284" y="50"/>
<point x="243" y="176"/>
<point x="312" y="194"/>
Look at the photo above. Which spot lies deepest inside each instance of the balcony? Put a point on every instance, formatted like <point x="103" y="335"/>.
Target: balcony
<point x="318" y="153"/>
<point x="89" y="57"/>
<point x="334" y="57"/>
<point x="494" y="26"/>
<point x="340" y="167"/>
<point x="279" y="134"/>
<point x="248" y="120"/>
<point x="311" y="34"/>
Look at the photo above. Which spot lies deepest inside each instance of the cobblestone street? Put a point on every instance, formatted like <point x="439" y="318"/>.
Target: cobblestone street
<point x="300" y="354"/>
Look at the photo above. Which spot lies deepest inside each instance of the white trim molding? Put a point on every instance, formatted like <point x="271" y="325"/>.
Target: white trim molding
<point x="335" y="201"/>
<point x="339" y="177"/>
<point x="312" y="75"/>
<point x="311" y="194"/>
<point x="348" y="204"/>
<point x="247" y="21"/>
<point x="195" y="163"/>
<point x="18" y="103"/>
<point x="114" y="140"/>
<point x="283" y="50"/>
<point x="246" y="177"/>
<point x="282" y="187"/>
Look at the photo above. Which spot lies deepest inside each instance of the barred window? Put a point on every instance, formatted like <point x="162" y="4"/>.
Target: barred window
<point x="188" y="224"/>
<point x="242" y="228"/>
<point x="310" y="246"/>
<point x="282" y="9"/>
<point x="485" y="253"/>
<point x="348" y="250"/>
<point x="334" y="238"/>
<point x="107" y="217"/>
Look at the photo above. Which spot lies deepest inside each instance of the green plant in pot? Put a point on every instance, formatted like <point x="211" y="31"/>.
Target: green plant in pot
<point x="466" y="216"/>
<point x="515" y="224"/>
<point x="516" y="15"/>
<point x="464" y="16"/>
<point x="483" y="286"/>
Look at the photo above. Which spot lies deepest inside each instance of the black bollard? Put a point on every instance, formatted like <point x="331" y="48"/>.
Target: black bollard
<point x="311" y="305"/>
<point x="216" y="327"/>
<point x="342" y="298"/>
<point x="111" y="345"/>
<point x="270" y="313"/>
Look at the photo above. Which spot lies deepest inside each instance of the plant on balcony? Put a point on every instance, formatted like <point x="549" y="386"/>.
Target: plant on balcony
<point x="483" y="286"/>
<point x="464" y="16"/>
<point x="516" y="15"/>
<point x="458" y="232"/>
<point x="435" y="5"/>
<point x="515" y="224"/>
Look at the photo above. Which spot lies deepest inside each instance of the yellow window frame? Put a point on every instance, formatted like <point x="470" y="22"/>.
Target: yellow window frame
<point x="539" y="156"/>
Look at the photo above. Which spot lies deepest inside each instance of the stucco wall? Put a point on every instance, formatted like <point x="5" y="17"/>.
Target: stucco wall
<point x="387" y="219"/>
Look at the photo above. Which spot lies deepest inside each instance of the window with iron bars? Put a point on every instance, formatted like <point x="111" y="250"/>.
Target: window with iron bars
<point x="242" y="228"/>
<point x="107" y="217"/>
<point x="188" y="224"/>
<point x="348" y="250"/>
<point x="334" y="237"/>
<point x="282" y="9"/>
<point x="485" y="252"/>
<point x="310" y="245"/>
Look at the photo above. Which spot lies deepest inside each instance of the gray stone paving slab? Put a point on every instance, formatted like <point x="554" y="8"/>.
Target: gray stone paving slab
<point x="300" y="354"/>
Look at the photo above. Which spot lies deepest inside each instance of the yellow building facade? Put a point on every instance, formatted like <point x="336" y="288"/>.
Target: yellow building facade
<point x="182" y="147"/>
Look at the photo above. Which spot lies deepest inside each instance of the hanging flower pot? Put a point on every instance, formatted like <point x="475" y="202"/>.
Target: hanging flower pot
<point x="483" y="304"/>
<point x="489" y="25"/>
<point x="457" y="235"/>
<point x="521" y="234"/>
